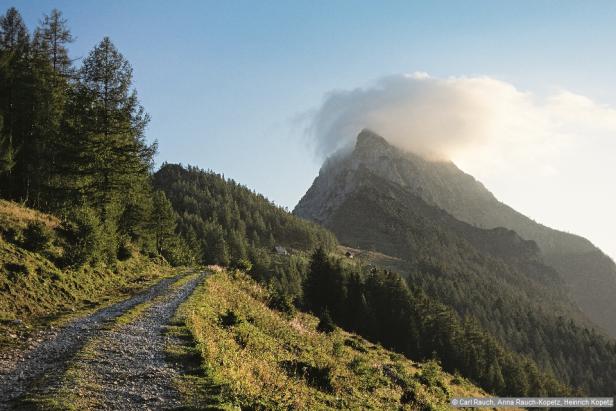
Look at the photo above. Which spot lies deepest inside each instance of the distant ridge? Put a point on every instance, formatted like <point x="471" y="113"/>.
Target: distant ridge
<point x="588" y="273"/>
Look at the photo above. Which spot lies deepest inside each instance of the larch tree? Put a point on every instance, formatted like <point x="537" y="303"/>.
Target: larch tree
<point x="51" y="38"/>
<point x="107" y="157"/>
<point x="51" y="71"/>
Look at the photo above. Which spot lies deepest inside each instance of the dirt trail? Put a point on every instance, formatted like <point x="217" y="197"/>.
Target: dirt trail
<point x="124" y="364"/>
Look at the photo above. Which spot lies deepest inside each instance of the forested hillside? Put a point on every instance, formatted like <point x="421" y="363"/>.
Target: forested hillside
<point x="72" y="140"/>
<point x="223" y="222"/>
<point x="493" y="277"/>
<point x="590" y="274"/>
<point x="379" y="305"/>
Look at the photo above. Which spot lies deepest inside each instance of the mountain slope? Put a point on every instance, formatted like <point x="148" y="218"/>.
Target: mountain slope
<point x="492" y="275"/>
<point x="223" y="222"/>
<point x="36" y="286"/>
<point x="262" y="358"/>
<point x="589" y="274"/>
<point x="215" y="210"/>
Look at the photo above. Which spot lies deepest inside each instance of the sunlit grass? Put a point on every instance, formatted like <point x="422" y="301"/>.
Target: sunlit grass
<point x="14" y="215"/>
<point x="35" y="292"/>
<point x="268" y="359"/>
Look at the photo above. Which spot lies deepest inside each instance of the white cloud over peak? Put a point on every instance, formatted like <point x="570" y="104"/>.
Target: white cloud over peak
<point x="527" y="148"/>
<point x="448" y="118"/>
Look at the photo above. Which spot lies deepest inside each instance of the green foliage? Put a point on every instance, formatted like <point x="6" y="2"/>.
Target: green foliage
<point x="316" y="377"/>
<point x="243" y="264"/>
<point x="177" y="252"/>
<point x="223" y="221"/>
<point x="124" y="250"/>
<point x="164" y="221"/>
<point x="431" y="373"/>
<point x="136" y="220"/>
<point x="230" y="319"/>
<point x="37" y="236"/>
<point x="281" y="302"/>
<point x="84" y="236"/>
<point x="13" y="235"/>
<point x="378" y="305"/>
<point x="50" y="40"/>
<point x="7" y="152"/>
<point x="326" y="324"/>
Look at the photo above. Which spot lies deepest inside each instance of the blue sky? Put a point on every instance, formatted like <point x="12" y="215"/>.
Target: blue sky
<point x="226" y="81"/>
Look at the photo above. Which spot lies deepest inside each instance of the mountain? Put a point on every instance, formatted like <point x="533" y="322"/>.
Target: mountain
<point x="381" y="199"/>
<point x="589" y="274"/>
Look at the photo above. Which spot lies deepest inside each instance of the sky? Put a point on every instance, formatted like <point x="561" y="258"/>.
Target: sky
<point x="520" y="94"/>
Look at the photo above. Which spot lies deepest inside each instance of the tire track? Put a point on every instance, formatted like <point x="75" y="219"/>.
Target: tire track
<point x="127" y="365"/>
<point x="44" y="365"/>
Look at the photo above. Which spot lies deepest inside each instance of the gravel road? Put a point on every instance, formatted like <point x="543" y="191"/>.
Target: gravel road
<point x="128" y="362"/>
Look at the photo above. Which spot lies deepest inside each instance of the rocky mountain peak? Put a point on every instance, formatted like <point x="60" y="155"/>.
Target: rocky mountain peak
<point x="372" y="148"/>
<point x="369" y="140"/>
<point x="374" y="162"/>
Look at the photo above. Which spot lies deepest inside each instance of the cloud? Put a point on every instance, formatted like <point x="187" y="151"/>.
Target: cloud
<point x="459" y="118"/>
<point x="549" y="156"/>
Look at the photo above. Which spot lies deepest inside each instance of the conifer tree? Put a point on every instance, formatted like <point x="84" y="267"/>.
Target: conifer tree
<point x="106" y="156"/>
<point x="7" y="154"/>
<point x="51" y="39"/>
<point x="51" y="73"/>
<point x="34" y="91"/>
<point x="315" y="280"/>
<point x="15" y="97"/>
<point x="163" y="220"/>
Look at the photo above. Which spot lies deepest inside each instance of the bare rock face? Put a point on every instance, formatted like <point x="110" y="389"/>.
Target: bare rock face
<point x="590" y="274"/>
<point x="337" y="177"/>
<point x="327" y="192"/>
<point x="438" y="183"/>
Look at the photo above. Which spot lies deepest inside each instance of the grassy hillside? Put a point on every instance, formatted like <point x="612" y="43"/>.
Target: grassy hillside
<point x="35" y="289"/>
<point x="259" y="357"/>
<point x="15" y="216"/>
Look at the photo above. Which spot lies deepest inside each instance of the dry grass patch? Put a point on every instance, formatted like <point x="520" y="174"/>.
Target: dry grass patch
<point x="15" y="215"/>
